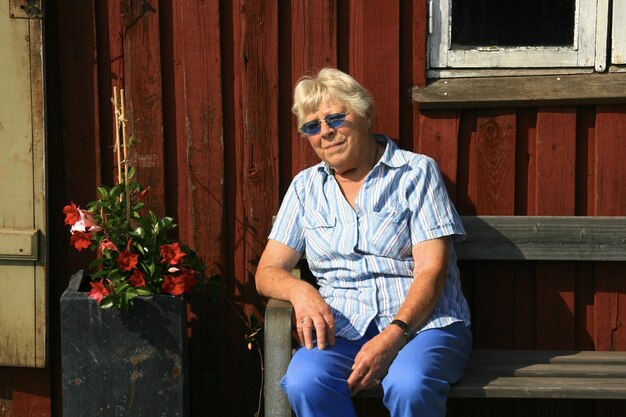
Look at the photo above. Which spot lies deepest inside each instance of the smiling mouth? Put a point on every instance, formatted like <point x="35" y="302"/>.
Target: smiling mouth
<point x="334" y="145"/>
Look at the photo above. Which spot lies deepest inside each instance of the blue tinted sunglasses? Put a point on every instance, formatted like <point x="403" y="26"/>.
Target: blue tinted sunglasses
<point x="333" y="121"/>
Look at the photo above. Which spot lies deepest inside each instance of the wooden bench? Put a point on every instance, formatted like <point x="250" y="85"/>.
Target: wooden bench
<point x="501" y="373"/>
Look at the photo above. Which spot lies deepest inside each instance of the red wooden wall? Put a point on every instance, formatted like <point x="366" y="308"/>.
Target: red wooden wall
<point x="209" y="94"/>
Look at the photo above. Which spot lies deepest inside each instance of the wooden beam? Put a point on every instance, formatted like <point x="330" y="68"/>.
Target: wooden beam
<point x="544" y="238"/>
<point x="579" y="89"/>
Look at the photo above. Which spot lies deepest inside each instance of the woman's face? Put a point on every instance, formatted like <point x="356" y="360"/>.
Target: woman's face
<point x="343" y="148"/>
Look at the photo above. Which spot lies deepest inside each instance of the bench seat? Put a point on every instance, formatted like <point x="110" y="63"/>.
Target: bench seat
<point x="543" y="374"/>
<point x="501" y="373"/>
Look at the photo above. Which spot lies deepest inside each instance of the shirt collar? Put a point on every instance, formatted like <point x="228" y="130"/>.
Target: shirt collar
<point x="392" y="157"/>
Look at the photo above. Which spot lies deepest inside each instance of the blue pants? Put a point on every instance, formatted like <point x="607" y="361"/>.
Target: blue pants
<point x="416" y="385"/>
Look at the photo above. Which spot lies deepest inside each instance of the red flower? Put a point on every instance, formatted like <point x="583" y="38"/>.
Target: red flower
<point x="171" y="254"/>
<point x="174" y="285"/>
<point x="127" y="260"/>
<point x="143" y="193"/>
<point x="98" y="291"/>
<point x="178" y="284"/>
<point x="137" y="279"/>
<point x="72" y="215"/>
<point x="80" y="240"/>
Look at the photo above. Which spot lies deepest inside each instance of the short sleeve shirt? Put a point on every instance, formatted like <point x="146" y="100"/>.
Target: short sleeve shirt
<point x="362" y="257"/>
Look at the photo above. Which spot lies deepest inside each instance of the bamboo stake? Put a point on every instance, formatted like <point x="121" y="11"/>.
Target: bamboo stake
<point x="117" y="136"/>
<point x="125" y="148"/>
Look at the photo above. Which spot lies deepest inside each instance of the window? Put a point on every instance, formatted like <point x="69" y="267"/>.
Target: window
<point x="476" y="37"/>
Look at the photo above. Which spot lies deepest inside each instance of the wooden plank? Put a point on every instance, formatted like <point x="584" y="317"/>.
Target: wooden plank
<point x="555" y="159"/>
<point x="200" y="144"/>
<point x="610" y="200"/>
<point x="144" y="97"/>
<point x="419" y="40"/>
<point x="277" y="341"/>
<point x="495" y="158"/>
<point x="466" y="186"/>
<point x="544" y="238"/>
<point x="313" y="47"/>
<point x="532" y="91"/>
<point x="481" y="356"/>
<point x="554" y="191"/>
<point x="438" y="138"/>
<point x="374" y="62"/>
<point x="252" y="187"/>
<point x="531" y="387"/>
<point x="549" y="370"/>
<point x="493" y="175"/>
<point x="194" y="119"/>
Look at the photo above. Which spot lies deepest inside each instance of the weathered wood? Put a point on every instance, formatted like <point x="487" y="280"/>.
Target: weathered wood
<point x="313" y="47"/>
<point x="522" y="91"/>
<point x="144" y="97"/>
<point x="544" y="238"/>
<point x="539" y="387"/>
<point x="278" y="315"/>
<point x="554" y="194"/>
<point x="437" y="137"/>
<point x="374" y="45"/>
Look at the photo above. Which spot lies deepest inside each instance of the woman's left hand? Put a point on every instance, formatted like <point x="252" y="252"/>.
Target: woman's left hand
<point x="373" y="360"/>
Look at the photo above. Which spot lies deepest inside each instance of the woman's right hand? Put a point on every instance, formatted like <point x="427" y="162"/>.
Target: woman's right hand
<point x="313" y="314"/>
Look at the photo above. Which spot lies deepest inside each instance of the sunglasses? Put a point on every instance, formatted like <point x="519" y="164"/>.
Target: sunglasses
<point x="333" y="121"/>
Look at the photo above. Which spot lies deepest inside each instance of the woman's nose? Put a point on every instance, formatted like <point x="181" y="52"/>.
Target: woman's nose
<point x="325" y="130"/>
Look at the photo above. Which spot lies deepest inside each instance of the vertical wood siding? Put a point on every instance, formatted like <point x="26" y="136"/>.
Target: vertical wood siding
<point x="208" y="85"/>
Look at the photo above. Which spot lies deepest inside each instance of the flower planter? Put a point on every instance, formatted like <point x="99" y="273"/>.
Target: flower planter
<point x="123" y="363"/>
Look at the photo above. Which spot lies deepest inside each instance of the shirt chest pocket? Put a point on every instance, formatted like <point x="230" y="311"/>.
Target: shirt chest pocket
<point x="319" y="228"/>
<point x="388" y="232"/>
<point x="325" y="237"/>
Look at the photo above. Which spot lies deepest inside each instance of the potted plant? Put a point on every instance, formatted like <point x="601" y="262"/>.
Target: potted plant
<point x="124" y="325"/>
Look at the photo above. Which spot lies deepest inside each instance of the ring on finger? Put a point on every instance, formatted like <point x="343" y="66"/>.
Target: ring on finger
<point x="304" y="318"/>
<point x="377" y="381"/>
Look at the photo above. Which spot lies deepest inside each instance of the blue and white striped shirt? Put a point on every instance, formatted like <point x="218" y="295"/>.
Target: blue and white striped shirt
<point x="361" y="257"/>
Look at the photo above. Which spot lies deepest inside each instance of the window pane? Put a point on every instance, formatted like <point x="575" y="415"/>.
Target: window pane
<point x="512" y="23"/>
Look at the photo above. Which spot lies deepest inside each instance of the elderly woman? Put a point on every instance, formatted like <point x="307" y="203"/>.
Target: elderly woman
<point x="378" y="229"/>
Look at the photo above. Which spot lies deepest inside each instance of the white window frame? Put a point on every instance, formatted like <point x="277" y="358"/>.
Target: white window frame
<point x="618" y="35"/>
<point x="587" y="54"/>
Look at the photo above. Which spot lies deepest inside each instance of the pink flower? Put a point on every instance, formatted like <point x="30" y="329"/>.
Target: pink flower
<point x="137" y="279"/>
<point x="81" y="240"/>
<point x="127" y="260"/>
<point x="171" y="254"/>
<point x="106" y="244"/>
<point x="85" y="223"/>
<point x="98" y="291"/>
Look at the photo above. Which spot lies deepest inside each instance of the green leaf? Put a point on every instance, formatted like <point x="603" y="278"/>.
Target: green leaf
<point x="95" y="263"/>
<point x="102" y="192"/>
<point x="99" y="274"/>
<point x="138" y="232"/>
<point x="143" y="291"/>
<point x="131" y="172"/>
<point x="106" y="302"/>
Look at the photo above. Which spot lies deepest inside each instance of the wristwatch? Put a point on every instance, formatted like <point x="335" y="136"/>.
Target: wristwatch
<point x="406" y="331"/>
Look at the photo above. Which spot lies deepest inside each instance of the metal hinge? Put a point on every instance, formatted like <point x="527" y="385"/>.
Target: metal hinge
<point x="26" y="9"/>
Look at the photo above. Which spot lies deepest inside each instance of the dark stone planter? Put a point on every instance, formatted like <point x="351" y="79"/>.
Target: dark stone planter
<point x="123" y="363"/>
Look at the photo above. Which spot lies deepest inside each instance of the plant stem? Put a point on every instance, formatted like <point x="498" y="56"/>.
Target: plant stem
<point x="125" y="146"/>
<point x="117" y="135"/>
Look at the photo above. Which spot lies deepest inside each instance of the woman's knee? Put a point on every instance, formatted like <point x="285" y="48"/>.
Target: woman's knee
<point x="311" y="379"/>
